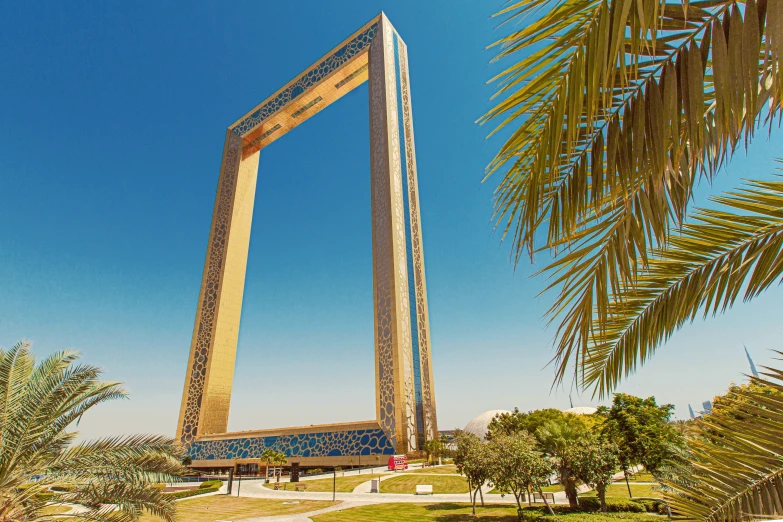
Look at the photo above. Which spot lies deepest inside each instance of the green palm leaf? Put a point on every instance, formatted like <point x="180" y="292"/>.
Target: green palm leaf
<point x="619" y="108"/>
<point x="113" y="479"/>
<point x="736" y="464"/>
<point x="722" y="255"/>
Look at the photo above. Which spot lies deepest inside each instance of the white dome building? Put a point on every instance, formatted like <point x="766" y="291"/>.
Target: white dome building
<point x="478" y="426"/>
<point x="581" y="410"/>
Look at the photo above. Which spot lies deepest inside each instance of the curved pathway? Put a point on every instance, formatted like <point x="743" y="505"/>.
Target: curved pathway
<point x="361" y="496"/>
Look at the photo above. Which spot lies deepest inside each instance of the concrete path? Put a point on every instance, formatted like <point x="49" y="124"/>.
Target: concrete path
<point x="361" y="496"/>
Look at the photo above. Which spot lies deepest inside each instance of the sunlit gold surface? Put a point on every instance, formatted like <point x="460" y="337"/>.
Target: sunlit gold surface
<point x="207" y="393"/>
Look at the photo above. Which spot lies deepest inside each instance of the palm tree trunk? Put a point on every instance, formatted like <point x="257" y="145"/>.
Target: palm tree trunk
<point x="570" y="489"/>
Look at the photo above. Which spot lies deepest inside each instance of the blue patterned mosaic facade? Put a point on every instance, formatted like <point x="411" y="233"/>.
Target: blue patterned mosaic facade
<point x="309" y="79"/>
<point x="324" y="444"/>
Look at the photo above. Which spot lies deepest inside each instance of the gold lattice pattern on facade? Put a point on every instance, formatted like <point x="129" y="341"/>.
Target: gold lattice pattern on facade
<point x="405" y="409"/>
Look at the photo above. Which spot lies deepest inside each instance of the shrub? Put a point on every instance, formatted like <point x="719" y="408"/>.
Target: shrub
<point x="538" y="514"/>
<point x="314" y="471"/>
<point x="193" y="492"/>
<point x="652" y="505"/>
<point x="211" y="484"/>
<point x="617" y="505"/>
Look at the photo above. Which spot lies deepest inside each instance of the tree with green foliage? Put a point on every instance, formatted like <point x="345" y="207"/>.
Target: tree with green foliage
<point x="517" y="422"/>
<point x="473" y="461"/>
<point x="556" y="437"/>
<point x="274" y="459"/>
<point x="433" y="448"/>
<point x="642" y="431"/>
<point x="594" y="461"/>
<point x="517" y="467"/>
<point x="112" y="479"/>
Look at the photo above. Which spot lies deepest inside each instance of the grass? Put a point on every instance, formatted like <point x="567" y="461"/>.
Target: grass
<point x="642" y="477"/>
<point x="222" y="507"/>
<point x="554" y="488"/>
<point x="344" y="484"/>
<point x="619" y="490"/>
<point x="448" y="512"/>
<point x="437" y="470"/>
<point x="441" y="484"/>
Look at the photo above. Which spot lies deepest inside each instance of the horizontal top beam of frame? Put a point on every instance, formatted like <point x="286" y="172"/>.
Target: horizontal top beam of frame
<point x="328" y="79"/>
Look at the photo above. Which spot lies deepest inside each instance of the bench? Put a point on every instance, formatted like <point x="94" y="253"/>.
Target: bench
<point x="300" y="487"/>
<point x="541" y="496"/>
<point x="423" y="489"/>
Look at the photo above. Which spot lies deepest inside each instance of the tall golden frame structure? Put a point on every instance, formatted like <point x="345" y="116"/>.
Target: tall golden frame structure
<point x="405" y="409"/>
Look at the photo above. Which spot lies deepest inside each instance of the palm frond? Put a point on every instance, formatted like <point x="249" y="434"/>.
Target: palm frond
<point x="621" y="107"/>
<point x="737" y="468"/>
<point x="724" y="254"/>
<point x="113" y="478"/>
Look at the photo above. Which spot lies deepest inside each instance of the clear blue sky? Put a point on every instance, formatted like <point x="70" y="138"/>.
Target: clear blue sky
<point x="112" y="119"/>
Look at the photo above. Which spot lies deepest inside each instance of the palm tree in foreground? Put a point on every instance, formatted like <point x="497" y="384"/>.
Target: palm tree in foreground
<point x="112" y="479"/>
<point x="735" y="468"/>
<point x="617" y="110"/>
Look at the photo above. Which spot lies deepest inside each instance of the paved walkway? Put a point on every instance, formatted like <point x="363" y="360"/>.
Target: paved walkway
<point x="361" y="496"/>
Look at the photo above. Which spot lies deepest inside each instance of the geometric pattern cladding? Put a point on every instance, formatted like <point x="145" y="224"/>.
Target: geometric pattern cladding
<point x="326" y="67"/>
<point x="405" y="399"/>
<point x="327" y="444"/>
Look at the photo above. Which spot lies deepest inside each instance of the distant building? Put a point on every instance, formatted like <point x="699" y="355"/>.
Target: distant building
<point x="581" y="410"/>
<point x="479" y="425"/>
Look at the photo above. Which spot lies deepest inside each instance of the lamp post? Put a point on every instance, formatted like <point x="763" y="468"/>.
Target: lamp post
<point x="334" y="484"/>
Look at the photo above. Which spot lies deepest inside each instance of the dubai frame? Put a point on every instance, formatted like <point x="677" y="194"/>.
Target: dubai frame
<point x="405" y="402"/>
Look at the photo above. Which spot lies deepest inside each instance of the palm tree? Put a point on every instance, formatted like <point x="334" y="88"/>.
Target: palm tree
<point x="268" y="456"/>
<point x="617" y="110"/>
<point x="556" y="438"/>
<point x="112" y="478"/>
<point x="279" y="459"/>
<point x="745" y="427"/>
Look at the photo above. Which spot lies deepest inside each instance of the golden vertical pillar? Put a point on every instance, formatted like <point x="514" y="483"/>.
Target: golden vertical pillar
<point x="405" y="401"/>
<point x="207" y="394"/>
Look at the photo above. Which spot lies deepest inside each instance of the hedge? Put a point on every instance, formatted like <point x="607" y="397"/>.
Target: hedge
<point x="193" y="492"/>
<point x="613" y="505"/>
<point x="590" y="507"/>
<point x="211" y="484"/>
<point x="537" y="515"/>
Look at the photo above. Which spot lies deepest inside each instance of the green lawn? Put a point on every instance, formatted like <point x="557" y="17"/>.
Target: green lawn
<point x="344" y="484"/>
<point x="642" y="477"/>
<point x="222" y="507"/>
<point x="554" y="488"/>
<point x="440" y="484"/>
<point x="619" y="490"/>
<point x="450" y="512"/>
<point x="437" y="470"/>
